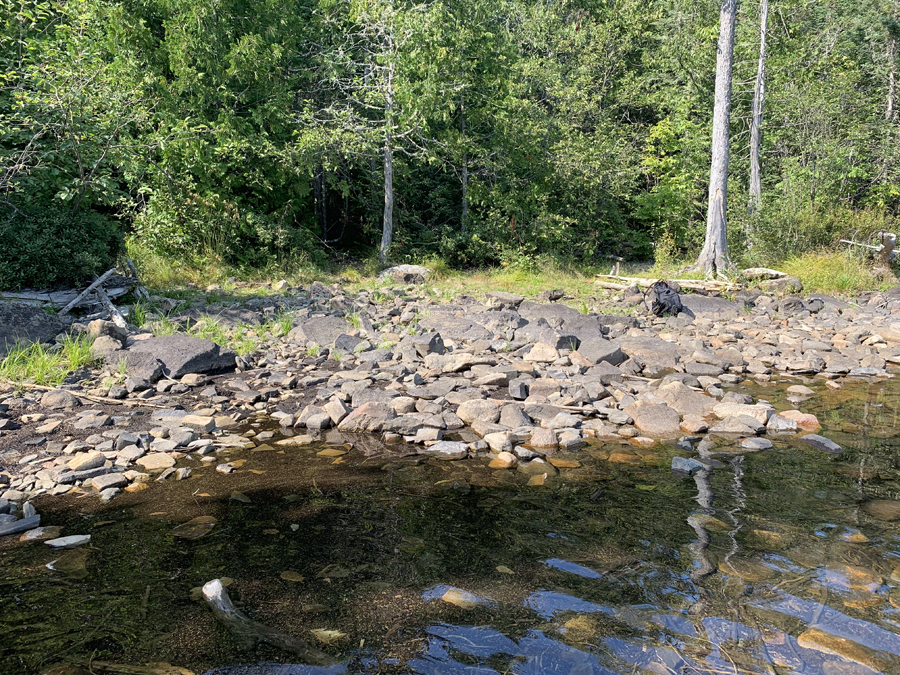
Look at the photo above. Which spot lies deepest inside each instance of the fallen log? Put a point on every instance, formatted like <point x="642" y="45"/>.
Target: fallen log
<point x="693" y="284"/>
<point x="106" y="275"/>
<point x="243" y="627"/>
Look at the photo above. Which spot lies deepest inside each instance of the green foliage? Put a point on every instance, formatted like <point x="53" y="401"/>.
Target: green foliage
<point x="55" y="246"/>
<point x="47" y="366"/>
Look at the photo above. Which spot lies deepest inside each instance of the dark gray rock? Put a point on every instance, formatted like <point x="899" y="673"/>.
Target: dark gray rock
<point x="182" y="354"/>
<point x="320" y="330"/>
<point x="20" y="525"/>
<point x="59" y="399"/>
<point x="598" y="350"/>
<point x="428" y="343"/>
<point x="822" y="443"/>
<point x="455" y="328"/>
<point x="710" y="307"/>
<point x="689" y="466"/>
<point x="24" y="324"/>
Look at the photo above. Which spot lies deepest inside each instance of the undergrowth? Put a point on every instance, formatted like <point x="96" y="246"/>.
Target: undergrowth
<point x="47" y="366"/>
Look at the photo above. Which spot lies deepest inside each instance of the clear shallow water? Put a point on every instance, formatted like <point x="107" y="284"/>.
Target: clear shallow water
<point x="766" y="564"/>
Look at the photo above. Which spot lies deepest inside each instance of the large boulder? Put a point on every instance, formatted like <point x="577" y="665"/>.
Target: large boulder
<point x="597" y="350"/>
<point x="21" y="323"/>
<point x="181" y="354"/>
<point x="685" y="400"/>
<point x="655" y="419"/>
<point x="321" y="330"/>
<point x="709" y="307"/>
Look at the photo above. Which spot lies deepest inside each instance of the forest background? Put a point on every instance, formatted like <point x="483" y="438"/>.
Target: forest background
<point x="269" y="136"/>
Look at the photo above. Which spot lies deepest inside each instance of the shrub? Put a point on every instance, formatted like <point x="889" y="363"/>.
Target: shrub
<point x="55" y="247"/>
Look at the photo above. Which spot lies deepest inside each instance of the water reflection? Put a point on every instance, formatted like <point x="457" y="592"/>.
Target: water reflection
<point x="778" y="569"/>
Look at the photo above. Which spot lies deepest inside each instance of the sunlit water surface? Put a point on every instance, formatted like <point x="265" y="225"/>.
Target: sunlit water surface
<point x="765" y="564"/>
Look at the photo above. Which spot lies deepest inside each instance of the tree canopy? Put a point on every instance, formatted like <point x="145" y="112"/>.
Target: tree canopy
<point x="255" y="131"/>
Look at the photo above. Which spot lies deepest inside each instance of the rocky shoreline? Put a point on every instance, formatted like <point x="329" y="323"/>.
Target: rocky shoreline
<point x="516" y="383"/>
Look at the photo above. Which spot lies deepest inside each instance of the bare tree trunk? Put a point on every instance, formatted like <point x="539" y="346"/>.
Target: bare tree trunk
<point x="889" y="111"/>
<point x="714" y="256"/>
<point x="387" y="229"/>
<point x="464" y="216"/>
<point x="756" y="118"/>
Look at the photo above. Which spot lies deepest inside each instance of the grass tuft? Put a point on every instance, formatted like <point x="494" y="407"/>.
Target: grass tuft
<point x="837" y="273"/>
<point x="47" y="366"/>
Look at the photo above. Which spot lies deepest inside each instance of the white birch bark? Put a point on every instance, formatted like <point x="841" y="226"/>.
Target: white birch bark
<point x="756" y="118"/>
<point x="714" y="256"/>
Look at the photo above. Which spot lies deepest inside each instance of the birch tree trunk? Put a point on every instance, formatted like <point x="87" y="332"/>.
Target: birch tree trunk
<point x="891" y="54"/>
<point x="387" y="229"/>
<point x="714" y="256"/>
<point x="756" y="118"/>
<point x="464" y="216"/>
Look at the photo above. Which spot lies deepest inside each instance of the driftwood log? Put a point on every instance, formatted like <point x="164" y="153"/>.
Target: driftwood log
<point x="245" y="628"/>
<point x="621" y="283"/>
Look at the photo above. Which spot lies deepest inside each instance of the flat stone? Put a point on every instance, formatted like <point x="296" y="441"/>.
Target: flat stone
<point x="84" y="461"/>
<point x="182" y="354"/>
<point x="755" y="444"/>
<point x="371" y="416"/>
<point x="882" y="509"/>
<point x="69" y="542"/>
<point x="446" y="450"/>
<point x="21" y="525"/>
<point x="202" y="423"/>
<point x="156" y="460"/>
<point x="822" y="443"/>
<point x="92" y="422"/>
<point x="760" y="413"/>
<point x="544" y="439"/>
<point x="781" y="424"/>
<point x="542" y="353"/>
<point x="110" y="480"/>
<point x="685" y="400"/>
<point x="597" y="350"/>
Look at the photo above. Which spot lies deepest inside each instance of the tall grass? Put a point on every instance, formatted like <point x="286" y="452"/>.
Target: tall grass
<point x="47" y="366"/>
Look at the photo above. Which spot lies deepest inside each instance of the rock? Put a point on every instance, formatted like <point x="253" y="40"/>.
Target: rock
<point x="406" y="274"/>
<point x="781" y="286"/>
<point x="803" y="420"/>
<point x="562" y="420"/>
<point x="478" y="409"/>
<point x="597" y="350"/>
<point x="739" y="425"/>
<point x="428" y="343"/>
<point x="882" y="509"/>
<point x="689" y="466"/>
<point x="499" y="441"/>
<point x="22" y="525"/>
<point x="59" y="399"/>
<point x="504" y="460"/>
<point x="202" y="423"/>
<point x="371" y="416"/>
<point x="536" y="467"/>
<point x="501" y="299"/>
<point x="781" y="424"/>
<point x="321" y="330"/>
<point x="685" y="400"/>
<point x="446" y="450"/>
<point x="182" y="354"/>
<point x="755" y="444"/>
<point x="822" y="443"/>
<point x="709" y="307"/>
<point x="85" y="461"/>
<point x="655" y="420"/>
<point x="92" y="422"/>
<point x="195" y="528"/>
<point x="542" y="353"/>
<point x="110" y="480"/>
<point x="155" y="461"/>
<point x="338" y="410"/>
<point x="544" y="439"/>
<point x="461" y="598"/>
<point x="518" y="388"/>
<point x="69" y="542"/>
<point x="829" y="643"/>
<point x="513" y="416"/>
<point x="99" y="327"/>
<point x="21" y="323"/>
<point x="760" y="413"/>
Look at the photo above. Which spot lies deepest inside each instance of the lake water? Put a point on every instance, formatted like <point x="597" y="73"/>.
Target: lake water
<point x="765" y="564"/>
